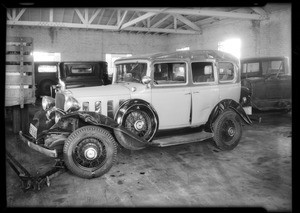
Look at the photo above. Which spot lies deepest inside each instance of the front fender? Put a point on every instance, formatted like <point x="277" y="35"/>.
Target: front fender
<point x="122" y="135"/>
<point x="126" y="105"/>
<point x="225" y="104"/>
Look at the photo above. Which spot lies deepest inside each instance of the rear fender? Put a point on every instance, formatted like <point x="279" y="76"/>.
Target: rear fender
<point x="223" y="105"/>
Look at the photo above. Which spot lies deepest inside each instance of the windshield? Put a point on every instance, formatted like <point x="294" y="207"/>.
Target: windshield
<point x="131" y="72"/>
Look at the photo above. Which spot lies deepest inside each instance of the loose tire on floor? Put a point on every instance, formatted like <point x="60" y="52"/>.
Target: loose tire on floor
<point x="227" y="130"/>
<point x="90" y="152"/>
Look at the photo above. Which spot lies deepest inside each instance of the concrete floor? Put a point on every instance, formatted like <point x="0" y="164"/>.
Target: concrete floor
<point x="257" y="173"/>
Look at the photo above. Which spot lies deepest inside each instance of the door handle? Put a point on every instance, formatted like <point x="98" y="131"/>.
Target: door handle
<point x="195" y="92"/>
<point x="187" y="93"/>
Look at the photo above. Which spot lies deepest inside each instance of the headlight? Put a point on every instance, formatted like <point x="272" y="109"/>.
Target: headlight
<point x="71" y="104"/>
<point x="48" y="102"/>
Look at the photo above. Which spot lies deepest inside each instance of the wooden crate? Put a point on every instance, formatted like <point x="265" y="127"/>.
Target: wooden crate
<point x="19" y="82"/>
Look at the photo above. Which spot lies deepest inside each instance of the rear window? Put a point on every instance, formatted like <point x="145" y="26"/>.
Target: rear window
<point x="47" y="68"/>
<point x="80" y="69"/>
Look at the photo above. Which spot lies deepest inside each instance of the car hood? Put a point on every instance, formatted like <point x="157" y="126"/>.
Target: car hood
<point x="107" y="90"/>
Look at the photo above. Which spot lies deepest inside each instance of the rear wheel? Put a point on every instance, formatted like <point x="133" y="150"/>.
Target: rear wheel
<point x="90" y="152"/>
<point x="227" y="130"/>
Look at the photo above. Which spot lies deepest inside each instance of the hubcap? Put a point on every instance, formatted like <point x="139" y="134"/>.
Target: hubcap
<point x="139" y="124"/>
<point x="231" y="131"/>
<point x="90" y="153"/>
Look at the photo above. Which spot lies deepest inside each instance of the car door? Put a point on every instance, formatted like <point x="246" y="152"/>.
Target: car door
<point x="229" y="84"/>
<point x="170" y="94"/>
<point x="205" y="91"/>
<point x="275" y="86"/>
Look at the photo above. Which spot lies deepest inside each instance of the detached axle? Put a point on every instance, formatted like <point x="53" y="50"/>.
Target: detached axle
<point x="28" y="182"/>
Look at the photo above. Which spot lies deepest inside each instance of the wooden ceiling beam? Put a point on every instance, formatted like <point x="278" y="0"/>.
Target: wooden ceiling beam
<point x="84" y="21"/>
<point x="201" y="12"/>
<point x="187" y="22"/>
<point x="94" y="16"/>
<point x="134" y="21"/>
<point x="101" y="27"/>
<point x="122" y="19"/>
<point x="20" y="14"/>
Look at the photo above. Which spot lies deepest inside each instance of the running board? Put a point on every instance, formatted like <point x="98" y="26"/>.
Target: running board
<point x="181" y="139"/>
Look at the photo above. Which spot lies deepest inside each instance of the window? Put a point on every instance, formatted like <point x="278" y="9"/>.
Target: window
<point x="131" y="72"/>
<point x="170" y="73"/>
<point x="44" y="56"/>
<point x="47" y="68"/>
<point x="232" y="46"/>
<point x="80" y="69"/>
<point x="202" y="72"/>
<point x="250" y="67"/>
<point x="110" y="59"/>
<point x="226" y="71"/>
<point x="272" y="67"/>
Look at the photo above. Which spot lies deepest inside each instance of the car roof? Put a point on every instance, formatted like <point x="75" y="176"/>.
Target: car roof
<point x="190" y="54"/>
<point x="81" y="62"/>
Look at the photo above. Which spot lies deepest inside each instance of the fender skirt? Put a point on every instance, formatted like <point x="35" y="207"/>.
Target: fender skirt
<point x="225" y="104"/>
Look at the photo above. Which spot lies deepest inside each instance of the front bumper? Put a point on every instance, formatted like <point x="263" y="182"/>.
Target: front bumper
<point x="45" y="151"/>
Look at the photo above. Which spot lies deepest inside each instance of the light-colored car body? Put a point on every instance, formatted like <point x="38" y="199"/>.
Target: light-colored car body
<point x="154" y="100"/>
<point x="186" y="103"/>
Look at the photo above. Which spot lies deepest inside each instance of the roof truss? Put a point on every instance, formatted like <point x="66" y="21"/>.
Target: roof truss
<point x="137" y="20"/>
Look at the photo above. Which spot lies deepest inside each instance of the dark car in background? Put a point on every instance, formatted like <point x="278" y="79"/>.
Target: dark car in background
<point x="267" y="81"/>
<point x="72" y="73"/>
<point x="45" y="76"/>
<point x="82" y="74"/>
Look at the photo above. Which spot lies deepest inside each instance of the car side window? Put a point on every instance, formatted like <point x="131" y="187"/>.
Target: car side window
<point x="170" y="73"/>
<point x="272" y="67"/>
<point x="202" y="72"/>
<point x="226" y="71"/>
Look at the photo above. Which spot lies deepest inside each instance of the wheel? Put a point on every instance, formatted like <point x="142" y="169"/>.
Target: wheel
<point x="227" y="130"/>
<point x="90" y="152"/>
<point x="44" y="87"/>
<point x="140" y="121"/>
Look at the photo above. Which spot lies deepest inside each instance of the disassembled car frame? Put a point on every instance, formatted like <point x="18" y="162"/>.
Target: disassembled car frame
<point x="149" y="98"/>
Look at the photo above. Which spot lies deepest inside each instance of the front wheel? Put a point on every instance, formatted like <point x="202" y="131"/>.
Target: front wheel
<point x="227" y="130"/>
<point x="90" y="152"/>
<point x="140" y="121"/>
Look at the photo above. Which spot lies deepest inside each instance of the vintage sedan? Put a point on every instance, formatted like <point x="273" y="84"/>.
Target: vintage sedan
<point x="160" y="99"/>
<point x="267" y="81"/>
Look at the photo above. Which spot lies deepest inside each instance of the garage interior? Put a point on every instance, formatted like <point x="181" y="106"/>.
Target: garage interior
<point x="257" y="173"/>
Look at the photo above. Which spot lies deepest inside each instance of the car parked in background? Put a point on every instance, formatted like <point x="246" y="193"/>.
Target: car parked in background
<point x="83" y="73"/>
<point x="267" y="81"/>
<point x="72" y="73"/>
<point x="45" y="76"/>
